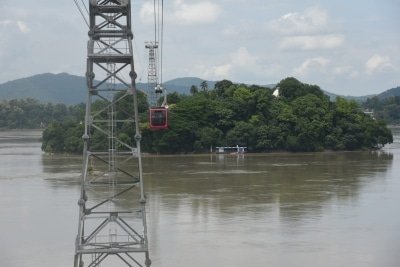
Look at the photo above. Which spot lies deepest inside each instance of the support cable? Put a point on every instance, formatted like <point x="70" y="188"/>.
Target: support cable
<point x="82" y="14"/>
<point x="155" y="23"/>
<point x="87" y="10"/>
<point x="159" y="39"/>
<point x="162" y="41"/>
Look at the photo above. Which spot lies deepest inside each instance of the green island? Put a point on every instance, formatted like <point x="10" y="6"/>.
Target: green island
<point x="301" y="118"/>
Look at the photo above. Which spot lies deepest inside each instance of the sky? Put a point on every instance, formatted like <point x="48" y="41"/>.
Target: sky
<point x="345" y="47"/>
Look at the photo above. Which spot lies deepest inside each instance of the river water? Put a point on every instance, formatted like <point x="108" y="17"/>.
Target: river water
<point x="278" y="209"/>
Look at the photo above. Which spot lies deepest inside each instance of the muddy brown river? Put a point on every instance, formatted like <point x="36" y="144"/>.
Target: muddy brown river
<point x="258" y="210"/>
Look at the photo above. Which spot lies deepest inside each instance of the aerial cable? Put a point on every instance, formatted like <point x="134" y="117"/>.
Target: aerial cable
<point x="162" y="41"/>
<point x="158" y="38"/>
<point x="158" y="15"/>
<point x="139" y="57"/>
<point x="159" y="113"/>
<point x="155" y="36"/>
<point x="80" y="11"/>
<point x="87" y="10"/>
<point x="83" y="15"/>
<point x="155" y="23"/>
<point x="159" y="35"/>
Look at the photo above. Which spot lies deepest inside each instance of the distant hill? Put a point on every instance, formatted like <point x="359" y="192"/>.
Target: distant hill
<point x="47" y="87"/>
<point x="182" y="85"/>
<point x="71" y="89"/>
<point x="388" y="93"/>
<point x="359" y="99"/>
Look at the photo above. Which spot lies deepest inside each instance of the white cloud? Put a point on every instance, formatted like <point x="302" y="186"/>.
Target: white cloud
<point x="222" y="71"/>
<point x="22" y="27"/>
<point x="312" y="20"/>
<point x="245" y="30"/>
<point x="378" y="63"/>
<point x="14" y="48"/>
<point x="309" y="42"/>
<point x="197" y="13"/>
<point x="146" y="13"/>
<point x="6" y="22"/>
<point x="238" y="30"/>
<point x="242" y="57"/>
<point x="315" y="64"/>
<point x="183" y="13"/>
<point x="12" y="35"/>
<point x="346" y="71"/>
<point x="240" y="65"/>
<point x="219" y="72"/>
<point x="239" y="60"/>
<point x="307" y="30"/>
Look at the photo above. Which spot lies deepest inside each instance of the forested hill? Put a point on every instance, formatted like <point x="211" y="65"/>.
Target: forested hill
<point x="54" y="88"/>
<point x="70" y="89"/>
<point x="301" y="118"/>
<point x="387" y="109"/>
<point x="389" y="93"/>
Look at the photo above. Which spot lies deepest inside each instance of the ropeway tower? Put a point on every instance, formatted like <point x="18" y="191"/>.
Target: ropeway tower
<point x="158" y="112"/>
<point x="152" y="80"/>
<point x="112" y="227"/>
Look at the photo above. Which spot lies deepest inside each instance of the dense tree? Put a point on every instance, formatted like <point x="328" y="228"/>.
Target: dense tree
<point x="204" y="86"/>
<point x="63" y="137"/>
<point x="174" y="98"/>
<point x="290" y="88"/>
<point x="194" y="90"/>
<point x="387" y="109"/>
<point x="221" y="86"/>
<point x="301" y="119"/>
<point x="30" y="113"/>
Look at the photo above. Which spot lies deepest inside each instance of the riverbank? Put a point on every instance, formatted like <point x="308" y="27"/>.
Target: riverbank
<point x="28" y="135"/>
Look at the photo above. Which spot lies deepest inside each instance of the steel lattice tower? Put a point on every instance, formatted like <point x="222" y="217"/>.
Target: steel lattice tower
<point x="152" y="79"/>
<point x="112" y="227"/>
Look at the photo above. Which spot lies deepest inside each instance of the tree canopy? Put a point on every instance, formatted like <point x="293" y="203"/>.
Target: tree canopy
<point x="387" y="109"/>
<point x="302" y="118"/>
<point x="31" y="114"/>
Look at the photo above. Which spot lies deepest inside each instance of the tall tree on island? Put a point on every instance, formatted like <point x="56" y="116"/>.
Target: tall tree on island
<point x="204" y="86"/>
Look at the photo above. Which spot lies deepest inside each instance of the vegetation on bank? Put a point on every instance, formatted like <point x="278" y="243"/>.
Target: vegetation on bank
<point x="302" y="118"/>
<point x="387" y="109"/>
<point x="31" y="114"/>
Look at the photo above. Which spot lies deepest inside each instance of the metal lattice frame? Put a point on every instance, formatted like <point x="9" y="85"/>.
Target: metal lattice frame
<point x="152" y="79"/>
<point x="112" y="227"/>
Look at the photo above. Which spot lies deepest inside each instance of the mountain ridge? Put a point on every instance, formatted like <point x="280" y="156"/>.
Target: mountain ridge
<point x="71" y="89"/>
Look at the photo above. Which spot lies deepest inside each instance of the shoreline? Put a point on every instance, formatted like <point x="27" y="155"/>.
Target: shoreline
<point x="145" y="154"/>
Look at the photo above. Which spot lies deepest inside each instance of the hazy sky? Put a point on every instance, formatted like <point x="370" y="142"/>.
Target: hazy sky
<point x="346" y="47"/>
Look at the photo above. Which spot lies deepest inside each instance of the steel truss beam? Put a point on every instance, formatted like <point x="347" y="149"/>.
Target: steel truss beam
<point x="112" y="228"/>
<point x="152" y="79"/>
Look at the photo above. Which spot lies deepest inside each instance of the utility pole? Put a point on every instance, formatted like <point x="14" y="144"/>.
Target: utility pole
<point x="112" y="228"/>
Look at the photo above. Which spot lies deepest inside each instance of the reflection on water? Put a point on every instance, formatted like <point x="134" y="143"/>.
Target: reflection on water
<point x="272" y="209"/>
<point x="64" y="169"/>
<point x="279" y="209"/>
<point x="298" y="183"/>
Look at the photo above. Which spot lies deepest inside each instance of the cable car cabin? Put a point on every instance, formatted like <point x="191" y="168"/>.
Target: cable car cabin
<point x="158" y="118"/>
